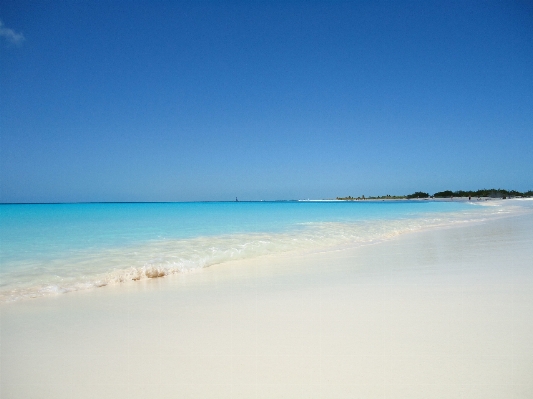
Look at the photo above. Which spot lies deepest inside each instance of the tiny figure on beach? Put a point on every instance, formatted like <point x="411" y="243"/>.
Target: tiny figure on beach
<point x="469" y="198"/>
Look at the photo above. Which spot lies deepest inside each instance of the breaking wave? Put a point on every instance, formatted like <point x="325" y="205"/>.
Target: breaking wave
<point x="159" y="258"/>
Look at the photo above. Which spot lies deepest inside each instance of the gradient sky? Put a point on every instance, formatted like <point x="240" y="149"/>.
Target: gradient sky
<point x="200" y="100"/>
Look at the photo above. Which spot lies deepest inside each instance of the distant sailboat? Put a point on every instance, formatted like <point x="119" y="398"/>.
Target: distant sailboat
<point x="236" y="200"/>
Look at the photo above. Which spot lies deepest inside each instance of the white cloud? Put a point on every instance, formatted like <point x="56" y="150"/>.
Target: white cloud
<point x="10" y="35"/>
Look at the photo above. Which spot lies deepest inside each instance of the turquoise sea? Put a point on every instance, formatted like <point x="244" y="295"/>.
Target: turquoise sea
<point x="57" y="248"/>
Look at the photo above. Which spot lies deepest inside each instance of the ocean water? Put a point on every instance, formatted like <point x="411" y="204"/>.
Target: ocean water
<point x="47" y="249"/>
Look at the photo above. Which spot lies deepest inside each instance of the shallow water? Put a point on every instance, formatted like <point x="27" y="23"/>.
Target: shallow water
<point x="58" y="248"/>
<point x="443" y="312"/>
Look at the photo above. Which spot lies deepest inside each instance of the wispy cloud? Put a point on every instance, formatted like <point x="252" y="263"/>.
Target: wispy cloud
<point x="10" y="35"/>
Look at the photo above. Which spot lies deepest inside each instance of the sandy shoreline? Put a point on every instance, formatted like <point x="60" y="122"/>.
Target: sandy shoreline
<point x="431" y="199"/>
<point x="440" y="313"/>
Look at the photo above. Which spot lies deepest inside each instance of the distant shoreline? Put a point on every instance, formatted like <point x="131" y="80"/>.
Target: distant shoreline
<point x="454" y="199"/>
<point x="491" y="193"/>
<point x="483" y="194"/>
<point x="366" y="199"/>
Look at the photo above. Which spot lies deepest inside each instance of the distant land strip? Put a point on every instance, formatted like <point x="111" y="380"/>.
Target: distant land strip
<point x="484" y="193"/>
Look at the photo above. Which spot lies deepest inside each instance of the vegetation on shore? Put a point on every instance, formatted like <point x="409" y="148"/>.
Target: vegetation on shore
<point x="491" y="193"/>
<point x="486" y="193"/>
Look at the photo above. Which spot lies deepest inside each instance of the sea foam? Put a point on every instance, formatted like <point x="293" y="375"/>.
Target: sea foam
<point x="88" y="268"/>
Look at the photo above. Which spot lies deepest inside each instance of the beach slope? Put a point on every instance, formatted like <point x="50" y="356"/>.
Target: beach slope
<point x="439" y="313"/>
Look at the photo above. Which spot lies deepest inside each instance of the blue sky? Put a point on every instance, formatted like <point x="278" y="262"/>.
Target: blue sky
<point x="199" y="100"/>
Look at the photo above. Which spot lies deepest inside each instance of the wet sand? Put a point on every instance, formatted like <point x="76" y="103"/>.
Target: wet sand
<point x="440" y="313"/>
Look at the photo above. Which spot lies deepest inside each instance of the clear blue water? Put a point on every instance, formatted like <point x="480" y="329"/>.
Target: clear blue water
<point x="44" y="229"/>
<point x="63" y="247"/>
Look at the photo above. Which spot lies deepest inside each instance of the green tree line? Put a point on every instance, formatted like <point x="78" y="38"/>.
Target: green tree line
<point x="491" y="193"/>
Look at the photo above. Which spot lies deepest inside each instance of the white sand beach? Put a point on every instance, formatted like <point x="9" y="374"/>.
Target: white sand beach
<point x="434" y="314"/>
